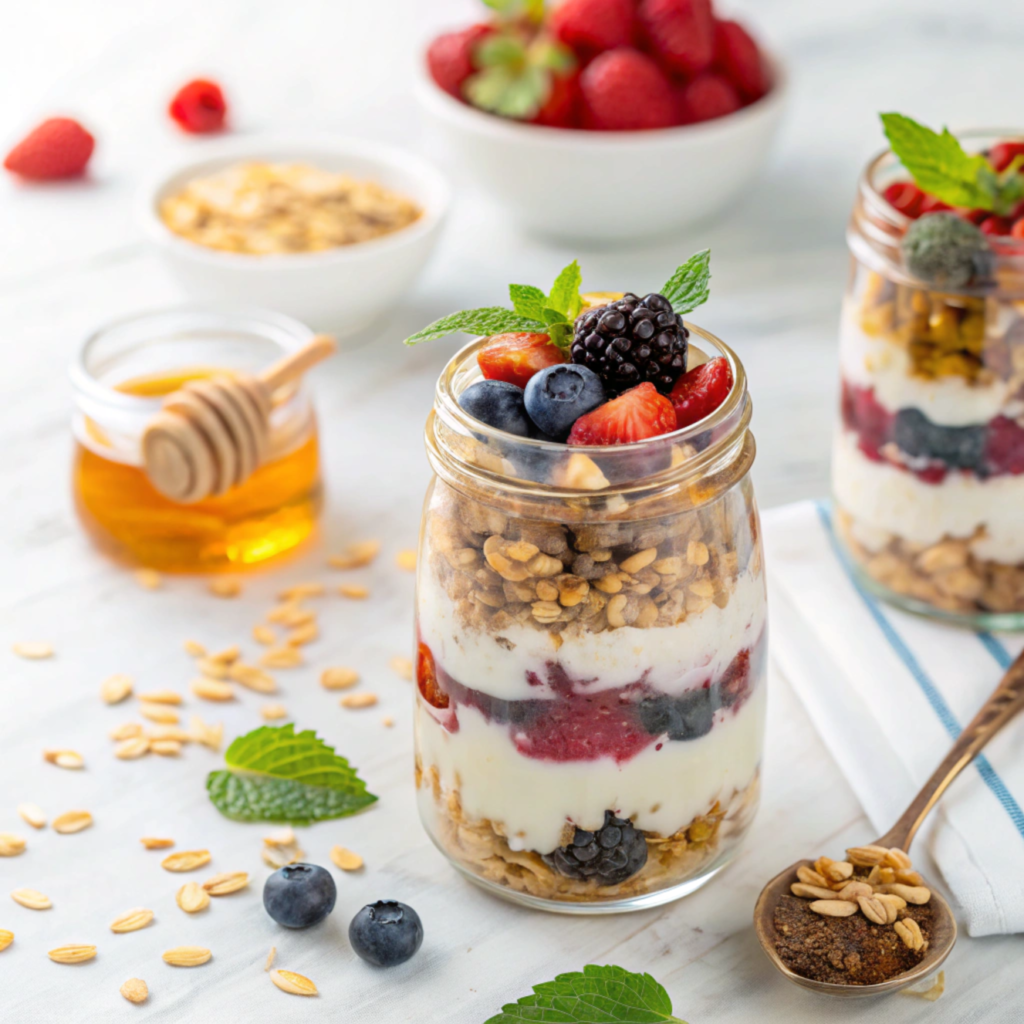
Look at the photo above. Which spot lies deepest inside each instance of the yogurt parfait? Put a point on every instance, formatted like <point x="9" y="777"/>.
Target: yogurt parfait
<point x="590" y="606"/>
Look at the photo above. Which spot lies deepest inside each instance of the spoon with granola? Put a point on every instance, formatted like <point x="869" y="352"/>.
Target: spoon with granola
<point x="870" y="924"/>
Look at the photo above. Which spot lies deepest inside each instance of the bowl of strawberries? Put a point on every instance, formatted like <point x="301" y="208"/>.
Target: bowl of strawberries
<point x="604" y="120"/>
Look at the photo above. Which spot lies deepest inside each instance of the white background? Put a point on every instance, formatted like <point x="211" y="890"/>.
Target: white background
<point x="71" y="257"/>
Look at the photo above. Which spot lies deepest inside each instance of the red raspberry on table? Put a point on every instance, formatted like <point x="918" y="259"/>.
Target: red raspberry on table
<point x="739" y="57"/>
<point x="681" y="33"/>
<point x="700" y="391"/>
<point x="708" y="96"/>
<point x="450" y="57"/>
<point x="59" y="148"/>
<point x="624" y="90"/>
<point x="515" y="358"/>
<point x="199" y="107"/>
<point x="1002" y="153"/>
<point x="562" y="107"/>
<point x="592" y="26"/>
<point x="635" y="415"/>
<point x="906" y="197"/>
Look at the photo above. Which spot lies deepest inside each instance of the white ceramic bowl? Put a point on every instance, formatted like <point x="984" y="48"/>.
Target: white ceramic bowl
<point x="607" y="186"/>
<point x="339" y="290"/>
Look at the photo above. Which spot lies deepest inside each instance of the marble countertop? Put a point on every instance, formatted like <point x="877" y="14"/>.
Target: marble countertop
<point x="71" y="257"/>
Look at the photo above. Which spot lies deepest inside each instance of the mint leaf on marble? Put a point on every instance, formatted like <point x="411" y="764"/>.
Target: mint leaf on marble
<point x="597" y="995"/>
<point x="274" y="774"/>
<point x="481" y="322"/>
<point x="688" y="287"/>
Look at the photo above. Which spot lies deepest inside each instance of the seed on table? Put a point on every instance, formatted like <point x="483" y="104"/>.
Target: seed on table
<point x="130" y="749"/>
<point x="212" y="669"/>
<point x="72" y="954"/>
<point x="208" y="735"/>
<point x="155" y="843"/>
<point x="300" y="591"/>
<point x="346" y="859"/>
<point x="131" y="920"/>
<point x="338" y="678"/>
<point x="11" y="845"/>
<point x="125" y="731"/>
<point x="192" y="898"/>
<point x="226" y="883"/>
<point x="355" y="701"/>
<point x="252" y="678"/>
<point x="406" y="560"/>
<point x="226" y="656"/>
<point x="283" y="836"/>
<point x="224" y="587"/>
<point x="148" y="579"/>
<point x="195" y="648"/>
<point x="169" y="732"/>
<point x="354" y="591"/>
<point x="33" y="815"/>
<point x="292" y="983"/>
<point x="161" y="697"/>
<point x="166" y="748"/>
<point x="356" y="556"/>
<point x="159" y="713"/>
<point x="402" y="667"/>
<point x="33" y="650"/>
<point x="6" y="938"/>
<point x="264" y="635"/>
<point x="187" y="956"/>
<point x="115" y="689"/>
<point x="69" y="759"/>
<point x="273" y="712"/>
<point x="266" y="967"/>
<point x="135" y="990"/>
<point x="303" y="635"/>
<point x="281" y="657"/>
<point x="211" y="689"/>
<point x="72" y="821"/>
<point x="387" y="721"/>
<point x="185" y="860"/>
<point x="33" y="899"/>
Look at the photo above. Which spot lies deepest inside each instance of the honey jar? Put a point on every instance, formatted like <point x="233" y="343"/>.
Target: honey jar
<point x="120" y="377"/>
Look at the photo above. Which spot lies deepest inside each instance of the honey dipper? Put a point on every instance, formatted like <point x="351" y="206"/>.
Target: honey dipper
<point x="212" y="434"/>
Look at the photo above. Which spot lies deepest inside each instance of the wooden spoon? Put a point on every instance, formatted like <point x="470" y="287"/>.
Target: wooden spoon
<point x="213" y="434"/>
<point x="1004" y="703"/>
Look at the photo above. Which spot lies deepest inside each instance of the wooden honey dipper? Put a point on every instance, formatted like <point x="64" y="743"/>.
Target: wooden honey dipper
<point x="213" y="434"/>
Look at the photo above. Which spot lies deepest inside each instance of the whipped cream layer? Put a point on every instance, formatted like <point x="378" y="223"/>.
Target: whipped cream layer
<point x="885" y="501"/>
<point x="672" y="658"/>
<point x="661" y="790"/>
<point x="885" y="366"/>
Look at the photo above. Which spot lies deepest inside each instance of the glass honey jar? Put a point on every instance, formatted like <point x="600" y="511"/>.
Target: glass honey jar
<point x="122" y="373"/>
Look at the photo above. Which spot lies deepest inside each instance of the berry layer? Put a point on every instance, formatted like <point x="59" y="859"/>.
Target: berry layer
<point x="515" y="665"/>
<point x="887" y="501"/>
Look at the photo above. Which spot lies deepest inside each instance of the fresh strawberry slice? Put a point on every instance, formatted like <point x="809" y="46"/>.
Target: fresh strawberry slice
<point x="638" y="414"/>
<point x="426" y="678"/>
<point x="701" y="391"/>
<point x="906" y="197"/>
<point x="515" y="358"/>
<point x="1001" y="155"/>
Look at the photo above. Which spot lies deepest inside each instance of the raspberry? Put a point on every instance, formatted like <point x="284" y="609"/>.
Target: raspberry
<point x="593" y="26"/>
<point x="865" y="416"/>
<point x="906" y="197"/>
<point x="1002" y="153"/>
<point x="681" y="33"/>
<point x="740" y="58"/>
<point x="1004" y="446"/>
<point x="199" y="107"/>
<point x="995" y="225"/>
<point x="58" y="148"/>
<point x="624" y="90"/>
<point x="515" y="358"/>
<point x="701" y="391"/>
<point x="638" y="414"/>
<point x="450" y="57"/>
<point x="708" y="96"/>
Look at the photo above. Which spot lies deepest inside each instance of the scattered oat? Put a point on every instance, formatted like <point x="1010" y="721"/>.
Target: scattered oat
<point x="266" y="966"/>
<point x="156" y="843"/>
<point x="295" y="984"/>
<point x="300" y="591"/>
<point x="185" y="860"/>
<point x="273" y="712"/>
<point x="131" y="920"/>
<point x="280" y="848"/>
<point x="264" y="635"/>
<point x="211" y="736"/>
<point x="32" y="814"/>
<point x="406" y="560"/>
<point x="11" y="845"/>
<point x="187" y="956"/>
<point x="252" y="678"/>
<point x="132" y="748"/>
<point x="387" y="721"/>
<point x="281" y="657"/>
<point x="283" y="836"/>
<point x="69" y="759"/>
<point x="33" y="650"/>
<point x="148" y="579"/>
<point x="356" y="556"/>
<point x="72" y="954"/>
<point x="159" y="713"/>
<point x="169" y="732"/>
<point x="126" y="731"/>
<point x="166" y="748"/>
<point x="221" y="587"/>
<point x="354" y="591"/>
<point x="31" y="898"/>
<point x="303" y="635"/>
<point x="161" y="697"/>
<point x="931" y="994"/>
<point x="115" y="689"/>
<point x="195" y="648"/>
<point x="346" y="859"/>
<point x="192" y="898"/>
<point x="354" y="701"/>
<point x="226" y="656"/>
<point x="6" y="938"/>
<point x="402" y="667"/>
<point x="211" y="689"/>
<point x="213" y="669"/>
<point x="338" y="678"/>
<point x="290" y="614"/>
<point x="135" y="990"/>
<point x="226" y="882"/>
<point x="72" y="821"/>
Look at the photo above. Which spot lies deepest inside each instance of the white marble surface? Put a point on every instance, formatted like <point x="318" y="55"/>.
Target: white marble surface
<point x="70" y="258"/>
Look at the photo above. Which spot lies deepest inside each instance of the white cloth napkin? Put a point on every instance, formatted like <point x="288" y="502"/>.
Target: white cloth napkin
<point x="889" y="692"/>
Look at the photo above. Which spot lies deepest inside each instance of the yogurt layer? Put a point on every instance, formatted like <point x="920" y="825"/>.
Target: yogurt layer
<point x="674" y="658"/>
<point x="661" y="790"/>
<point x="886" y="501"/>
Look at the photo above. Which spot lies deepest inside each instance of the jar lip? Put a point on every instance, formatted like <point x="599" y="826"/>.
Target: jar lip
<point x="283" y="330"/>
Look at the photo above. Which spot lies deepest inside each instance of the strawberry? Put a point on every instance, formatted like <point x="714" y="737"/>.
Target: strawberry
<point x="1002" y="153"/>
<point x="592" y="26"/>
<point x="996" y="225"/>
<point x="561" y="108"/>
<point x="624" y="90"/>
<point x="700" y="391"/>
<point x="426" y="678"/>
<point x="515" y="358"/>
<point x="708" y="96"/>
<point x="635" y="415"/>
<point x="199" y="107"/>
<point x="58" y="148"/>
<point x="1017" y="231"/>
<point x="932" y="205"/>
<point x="681" y="33"/>
<point x="450" y="57"/>
<point x="906" y="197"/>
<point x="740" y="58"/>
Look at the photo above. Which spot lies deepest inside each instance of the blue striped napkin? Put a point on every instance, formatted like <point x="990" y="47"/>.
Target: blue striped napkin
<point x="889" y="692"/>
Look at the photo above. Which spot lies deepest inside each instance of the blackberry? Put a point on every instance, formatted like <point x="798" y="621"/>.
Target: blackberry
<point x="608" y="856"/>
<point x="631" y="341"/>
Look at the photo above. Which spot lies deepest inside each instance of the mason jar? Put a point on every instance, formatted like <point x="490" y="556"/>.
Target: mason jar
<point x="120" y="376"/>
<point x="928" y="458"/>
<point x="591" y="654"/>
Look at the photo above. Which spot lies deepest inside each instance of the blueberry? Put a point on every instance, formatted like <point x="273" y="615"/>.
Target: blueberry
<point x="386" y="933"/>
<point x="556" y="397"/>
<point x="498" y="404"/>
<point x="299" y="895"/>
<point x="947" y="251"/>
<point x="956" y="447"/>
<point x="680" y="718"/>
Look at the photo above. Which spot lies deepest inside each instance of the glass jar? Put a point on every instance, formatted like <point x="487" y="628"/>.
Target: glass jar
<point x="591" y="654"/>
<point x="928" y="460"/>
<point x="120" y="376"/>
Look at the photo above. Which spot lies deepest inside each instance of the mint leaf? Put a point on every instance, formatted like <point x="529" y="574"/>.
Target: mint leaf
<point x="598" y="995"/>
<point x="553" y="316"/>
<point x="481" y="322"/>
<point x="275" y="775"/>
<point x="527" y="300"/>
<point x="688" y="287"/>
<point x="565" y="292"/>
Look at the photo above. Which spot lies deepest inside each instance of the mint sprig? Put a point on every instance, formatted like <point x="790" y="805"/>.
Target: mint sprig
<point x="940" y="166"/>
<point x="597" y="995"/>
<point x="274" y="774"/>
<point x="689" y="286"/>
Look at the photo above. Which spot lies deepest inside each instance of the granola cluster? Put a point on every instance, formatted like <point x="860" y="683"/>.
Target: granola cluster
<point x="262" y="209"/>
